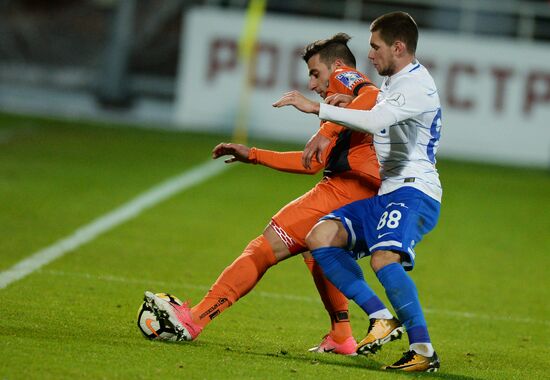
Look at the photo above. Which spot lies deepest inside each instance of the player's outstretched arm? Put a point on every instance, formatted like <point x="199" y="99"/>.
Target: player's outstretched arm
<point x="289" y="162"/>
<point x="238" y="152"/>
<point x="296" y="99"/>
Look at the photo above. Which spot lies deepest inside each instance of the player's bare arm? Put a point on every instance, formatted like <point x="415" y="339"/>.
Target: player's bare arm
<point x="238" y="152"/>
<point x="315" y="147"/>
<point x="318" y="143"/>
<point x="299" y="101"/>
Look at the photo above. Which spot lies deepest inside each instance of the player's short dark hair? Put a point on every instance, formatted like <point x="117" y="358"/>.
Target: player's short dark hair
<point x="397" y="26"/>
<point x="331" y="49"/>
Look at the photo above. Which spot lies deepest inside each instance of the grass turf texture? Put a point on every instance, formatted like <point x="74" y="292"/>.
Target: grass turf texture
<point x="481" y="274"/>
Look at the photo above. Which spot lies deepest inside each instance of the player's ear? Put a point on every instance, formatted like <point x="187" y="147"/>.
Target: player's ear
<point x="338" y="63"/>
<point x="399" y="48"/>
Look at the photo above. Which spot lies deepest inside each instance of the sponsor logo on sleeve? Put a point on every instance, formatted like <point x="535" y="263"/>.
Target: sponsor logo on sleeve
<point x="350" y="78"/>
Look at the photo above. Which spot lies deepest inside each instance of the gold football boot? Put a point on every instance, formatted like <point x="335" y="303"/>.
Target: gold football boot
<point x="381" y="331"/>
<point x="414" y="362"/>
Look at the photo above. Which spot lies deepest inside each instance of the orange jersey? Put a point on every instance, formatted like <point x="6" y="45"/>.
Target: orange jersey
<point x="351" y="167"/>
<point x="348" y="151"/>
<point x="352" y="151"/>
<point x="349" y="81"/>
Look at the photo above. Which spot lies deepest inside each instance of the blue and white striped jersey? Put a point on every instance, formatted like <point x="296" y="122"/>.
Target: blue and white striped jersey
<point x="406" y="124"/>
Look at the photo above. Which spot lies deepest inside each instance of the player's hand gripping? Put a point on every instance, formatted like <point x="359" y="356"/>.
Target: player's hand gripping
<point x="339" y="100"/>
<point x="314" y="148"/>
<point x="296" y="99"/>
<point x="238" y="151"/>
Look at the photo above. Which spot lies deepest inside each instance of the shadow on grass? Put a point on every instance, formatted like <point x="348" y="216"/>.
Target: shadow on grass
<point x="361" y="362"/>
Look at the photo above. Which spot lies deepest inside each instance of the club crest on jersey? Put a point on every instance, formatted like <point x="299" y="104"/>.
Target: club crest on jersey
<point x="350" y="78"/>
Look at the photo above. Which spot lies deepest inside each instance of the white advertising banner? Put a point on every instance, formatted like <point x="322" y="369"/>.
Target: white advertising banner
<point x="495" y="93"/>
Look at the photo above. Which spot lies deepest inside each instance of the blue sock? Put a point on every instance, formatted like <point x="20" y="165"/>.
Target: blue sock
<point x="402" y="293"/>
<point x="344" y="272"/>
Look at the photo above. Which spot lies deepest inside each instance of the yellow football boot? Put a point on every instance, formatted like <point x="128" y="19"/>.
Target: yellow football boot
<point x="414" y="362"/>
<point x="381" y="331"/>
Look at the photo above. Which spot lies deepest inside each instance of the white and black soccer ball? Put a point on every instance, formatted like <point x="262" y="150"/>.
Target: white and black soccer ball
<point x="153" y="328"/>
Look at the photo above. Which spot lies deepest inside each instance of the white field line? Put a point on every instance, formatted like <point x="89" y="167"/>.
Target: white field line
<point x="286" y="296"/>
<point x="110" y="220"/>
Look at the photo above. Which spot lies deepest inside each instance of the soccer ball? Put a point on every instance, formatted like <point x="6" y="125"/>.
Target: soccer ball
<point x="153" y="328"/>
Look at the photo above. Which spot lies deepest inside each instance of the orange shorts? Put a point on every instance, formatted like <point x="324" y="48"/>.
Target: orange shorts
<point x="293" y="222"/>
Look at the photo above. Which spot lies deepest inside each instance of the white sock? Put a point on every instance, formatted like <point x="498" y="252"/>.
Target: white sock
<point x="425" y="349"/>
<point x="381" y="314"/>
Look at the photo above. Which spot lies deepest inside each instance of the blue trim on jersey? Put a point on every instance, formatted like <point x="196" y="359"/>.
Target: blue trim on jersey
<point x="435" y="132"/>
<point x="414" y="68"/>
<point x="430" y="111"/>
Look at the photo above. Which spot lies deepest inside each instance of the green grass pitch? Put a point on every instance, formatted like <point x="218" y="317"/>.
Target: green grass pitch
<point x="481" y="274"/>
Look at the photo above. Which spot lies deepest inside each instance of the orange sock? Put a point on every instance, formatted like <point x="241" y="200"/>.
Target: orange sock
<point x="235" y="281"/>
<point x="335" y="303"/>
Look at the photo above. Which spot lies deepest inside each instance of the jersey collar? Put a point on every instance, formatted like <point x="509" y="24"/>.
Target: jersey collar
<point x="414" y="65"/>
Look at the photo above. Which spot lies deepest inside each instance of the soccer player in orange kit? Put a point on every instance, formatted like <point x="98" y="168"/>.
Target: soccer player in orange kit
<point x="351" y="172"/>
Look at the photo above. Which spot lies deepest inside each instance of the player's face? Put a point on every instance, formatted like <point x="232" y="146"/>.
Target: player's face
<point x="319" y="74"/>
<point x="381" y="55"/>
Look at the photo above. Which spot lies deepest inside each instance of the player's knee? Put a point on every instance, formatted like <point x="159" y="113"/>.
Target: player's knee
<point x="261" y="253"/>
<point x="314" y="239"/>
<point x="279" y="248"/>
<point x="326" y="233"/>
<point x="380" y="259"/>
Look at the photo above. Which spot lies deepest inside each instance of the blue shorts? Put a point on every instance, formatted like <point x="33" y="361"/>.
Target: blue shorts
<point x="396" y="221"/>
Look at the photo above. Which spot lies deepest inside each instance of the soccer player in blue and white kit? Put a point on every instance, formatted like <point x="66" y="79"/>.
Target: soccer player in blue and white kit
<point x="406" y="124"/>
